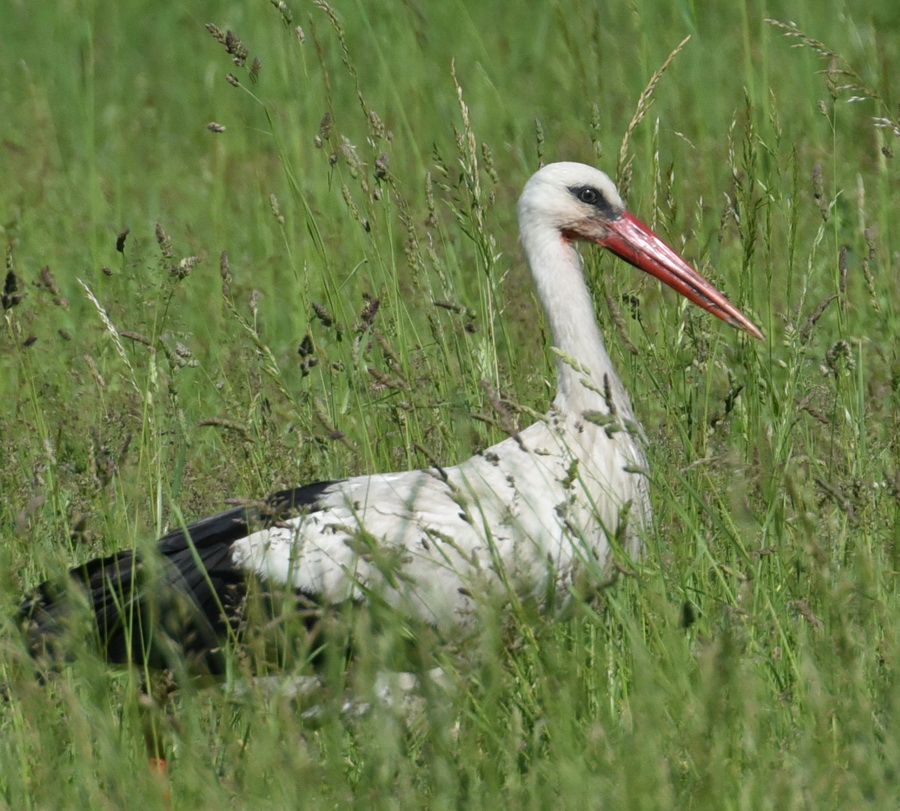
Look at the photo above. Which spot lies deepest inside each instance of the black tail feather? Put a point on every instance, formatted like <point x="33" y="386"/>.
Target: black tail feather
<point x="155" y="609"/>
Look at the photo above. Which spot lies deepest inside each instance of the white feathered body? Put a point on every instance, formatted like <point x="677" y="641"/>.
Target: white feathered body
<point x="519" y="519"/>
<point x="522" y="517"/>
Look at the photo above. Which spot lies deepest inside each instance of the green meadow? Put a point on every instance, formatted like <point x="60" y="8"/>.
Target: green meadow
<point x="239" y="262"/>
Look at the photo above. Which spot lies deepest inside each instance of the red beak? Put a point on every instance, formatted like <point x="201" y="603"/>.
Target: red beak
<point x="634" y="242"/>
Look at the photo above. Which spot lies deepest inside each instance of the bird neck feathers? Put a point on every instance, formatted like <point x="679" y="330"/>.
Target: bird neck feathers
<point x="586" y="379"/>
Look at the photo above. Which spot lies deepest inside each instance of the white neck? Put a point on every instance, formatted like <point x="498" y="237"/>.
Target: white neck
<point x="559" y="278"/>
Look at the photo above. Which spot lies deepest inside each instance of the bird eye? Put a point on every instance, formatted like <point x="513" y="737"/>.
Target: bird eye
<point x="588" y="195"/>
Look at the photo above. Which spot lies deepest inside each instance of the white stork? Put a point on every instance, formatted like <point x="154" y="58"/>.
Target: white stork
<point x="519" y="519"/>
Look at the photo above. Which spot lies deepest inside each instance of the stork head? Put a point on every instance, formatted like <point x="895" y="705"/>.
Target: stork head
<point x="580" y="202"/>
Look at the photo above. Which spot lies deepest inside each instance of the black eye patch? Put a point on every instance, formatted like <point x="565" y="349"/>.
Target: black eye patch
<point x="594" y="197"/>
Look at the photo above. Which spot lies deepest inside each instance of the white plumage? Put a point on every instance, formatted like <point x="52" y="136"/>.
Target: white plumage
<point x="521" y="516"/>
<point x="524" y="518"/>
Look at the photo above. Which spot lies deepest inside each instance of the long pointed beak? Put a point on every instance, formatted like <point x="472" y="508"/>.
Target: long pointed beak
<point x="634" y="242"/>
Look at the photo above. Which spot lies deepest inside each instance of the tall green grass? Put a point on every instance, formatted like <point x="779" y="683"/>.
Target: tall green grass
<point x="332" y="285"/>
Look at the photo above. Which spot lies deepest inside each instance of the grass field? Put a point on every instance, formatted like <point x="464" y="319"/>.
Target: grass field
<point x="332" y="285"/>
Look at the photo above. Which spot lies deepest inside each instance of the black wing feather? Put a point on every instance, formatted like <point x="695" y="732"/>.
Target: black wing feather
<point x="156" y="609"/>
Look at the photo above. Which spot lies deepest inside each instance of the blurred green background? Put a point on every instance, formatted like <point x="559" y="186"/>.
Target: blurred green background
<point x="373" y="284"/>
